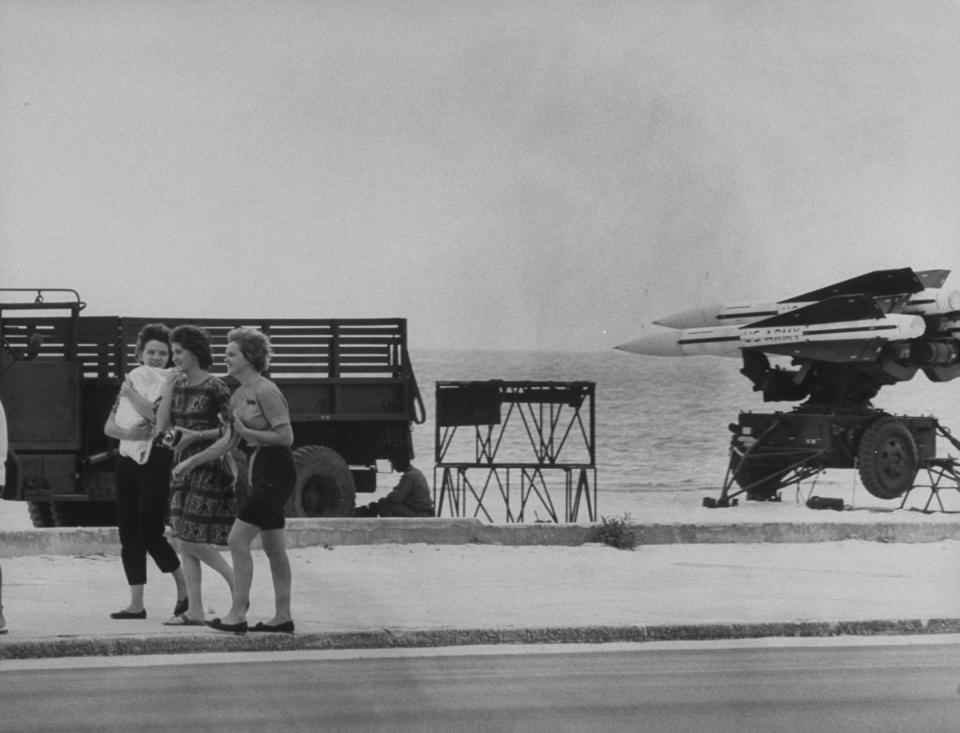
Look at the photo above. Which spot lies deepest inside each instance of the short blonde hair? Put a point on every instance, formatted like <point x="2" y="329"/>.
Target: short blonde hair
<point x="254" y="345"/>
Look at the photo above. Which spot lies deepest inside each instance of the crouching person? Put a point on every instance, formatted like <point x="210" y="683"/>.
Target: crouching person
<point x="409" y="498"/>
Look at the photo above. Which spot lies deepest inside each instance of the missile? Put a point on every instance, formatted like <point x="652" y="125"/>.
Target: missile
<point x="913" y="293"/>
<point x="933" y="302"/>
<point x="719" y="314"/>
<point x="839" y="329"/>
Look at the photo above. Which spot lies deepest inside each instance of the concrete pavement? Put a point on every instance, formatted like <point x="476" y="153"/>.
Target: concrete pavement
<point x="381" y="583"/>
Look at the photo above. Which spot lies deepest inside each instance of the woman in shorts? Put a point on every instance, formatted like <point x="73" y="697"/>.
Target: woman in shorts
<point x="261" y="419"/>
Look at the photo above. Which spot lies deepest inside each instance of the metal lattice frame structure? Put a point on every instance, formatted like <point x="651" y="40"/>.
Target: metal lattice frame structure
<point x="515" y="442"/>
<point x="936" y="474"/>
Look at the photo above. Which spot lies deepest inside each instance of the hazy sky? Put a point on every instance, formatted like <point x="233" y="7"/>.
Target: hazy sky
<point x="516" y="174"/>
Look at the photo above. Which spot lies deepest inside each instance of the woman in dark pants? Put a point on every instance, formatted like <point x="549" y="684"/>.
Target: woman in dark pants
<point x="3" y="480"/>
<point x="143" y="473"/>
<point x="261" y="418"/>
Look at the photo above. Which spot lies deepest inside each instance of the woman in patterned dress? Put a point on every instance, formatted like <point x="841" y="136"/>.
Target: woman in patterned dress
<point x="202" y="501"/>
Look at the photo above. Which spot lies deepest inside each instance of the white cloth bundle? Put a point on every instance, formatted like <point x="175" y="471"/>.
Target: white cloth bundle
<point x="148" y="382"/>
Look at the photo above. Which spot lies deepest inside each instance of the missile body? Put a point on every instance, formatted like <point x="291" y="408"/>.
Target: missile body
<point x="933" y="302"/>
<point x="929" y="302"/>
<point x="726" y="315"/>
<point x="838" y="341"/>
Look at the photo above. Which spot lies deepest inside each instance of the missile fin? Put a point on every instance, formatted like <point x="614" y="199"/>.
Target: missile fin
<point x="839" y="308"/>
<point x="876" y="283"/>
<point x="933" y="278"/>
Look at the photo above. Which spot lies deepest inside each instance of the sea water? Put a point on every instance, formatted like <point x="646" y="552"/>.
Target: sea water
<point x="661" y="423"/>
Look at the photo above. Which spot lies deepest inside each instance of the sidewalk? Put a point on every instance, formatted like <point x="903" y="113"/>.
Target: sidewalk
<point x="433" y="595"/>
<point x="503" y="587"/>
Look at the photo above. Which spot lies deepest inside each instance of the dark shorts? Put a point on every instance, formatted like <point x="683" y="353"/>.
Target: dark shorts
<point x="272" y="478"/>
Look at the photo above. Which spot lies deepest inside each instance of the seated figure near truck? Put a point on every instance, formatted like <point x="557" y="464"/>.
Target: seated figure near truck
<point x="409" y="498"/>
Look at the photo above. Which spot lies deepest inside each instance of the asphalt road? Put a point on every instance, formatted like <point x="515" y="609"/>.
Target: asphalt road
<point x="663" y="688"/>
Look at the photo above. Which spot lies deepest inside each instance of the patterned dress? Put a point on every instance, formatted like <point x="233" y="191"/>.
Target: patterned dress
<point x="202" y="502"/>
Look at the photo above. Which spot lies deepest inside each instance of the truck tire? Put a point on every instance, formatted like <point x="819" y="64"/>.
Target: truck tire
<point x="324" y="486"/>
<point x="84" y="514"/>
<point x="40" y="513"/>
<point x="887" y="458"/>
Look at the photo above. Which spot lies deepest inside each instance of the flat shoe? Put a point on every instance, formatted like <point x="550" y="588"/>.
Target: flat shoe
<point x="124" y="615"/>
<point x="286" y="627"/>
<point x="182" y="605"/>
<point x="182" y="619"/>
<point x="218" y="625"/>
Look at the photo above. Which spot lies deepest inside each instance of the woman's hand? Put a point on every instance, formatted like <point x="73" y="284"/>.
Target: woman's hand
<point x="127" y="390"/>
<point x="187" y="437"/>
<point x="174" y="377"/>
<point x="182" y="468"/>
<point x="140" y="431"/>
<point x="240" y="430"/>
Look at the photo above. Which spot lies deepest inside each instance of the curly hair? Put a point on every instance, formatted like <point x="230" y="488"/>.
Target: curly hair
<point x="152" y="332"/>
<point x="196" y="341"/>
<point x="254" y="345"/>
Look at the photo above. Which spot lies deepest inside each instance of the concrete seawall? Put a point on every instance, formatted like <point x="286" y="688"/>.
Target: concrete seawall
<point x="350" y="531"/>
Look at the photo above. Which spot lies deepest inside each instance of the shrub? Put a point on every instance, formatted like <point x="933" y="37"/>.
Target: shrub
<point x="617" y="532"/>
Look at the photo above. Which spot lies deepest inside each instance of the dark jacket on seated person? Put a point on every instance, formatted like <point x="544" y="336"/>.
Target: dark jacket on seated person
<point x="409" y="498"/>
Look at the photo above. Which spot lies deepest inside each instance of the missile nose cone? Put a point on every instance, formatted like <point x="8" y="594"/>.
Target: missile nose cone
<point x="658" y="344"/>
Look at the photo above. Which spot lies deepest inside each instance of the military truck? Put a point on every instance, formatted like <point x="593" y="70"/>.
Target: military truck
<point x="349" y="383"/>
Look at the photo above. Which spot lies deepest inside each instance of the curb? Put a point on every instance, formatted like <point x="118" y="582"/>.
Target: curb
<point x="311" y="532"/>
<point x="385" y="638"/>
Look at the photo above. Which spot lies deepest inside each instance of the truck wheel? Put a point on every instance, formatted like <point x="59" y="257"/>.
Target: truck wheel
<point x="100" y="514"/>
<point x="887" y="458"/>
<point x="324" y="485"/>
<point x="40" y="513"/>
<point x="65" y="513"/>
<point x="84" y="514"/>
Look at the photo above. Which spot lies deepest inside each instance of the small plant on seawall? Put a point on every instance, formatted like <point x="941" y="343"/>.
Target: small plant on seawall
<point x="617" y="532"/>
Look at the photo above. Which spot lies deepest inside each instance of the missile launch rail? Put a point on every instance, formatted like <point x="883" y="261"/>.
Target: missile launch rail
<point x="349" y="383"/>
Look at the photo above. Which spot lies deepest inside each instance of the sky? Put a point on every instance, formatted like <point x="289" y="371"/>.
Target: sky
<point x="505" y="174"/>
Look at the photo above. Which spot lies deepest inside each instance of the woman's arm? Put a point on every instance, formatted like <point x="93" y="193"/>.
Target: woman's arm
<point x="166" y="401"/>
<point x="281" y="435"/>
<point x="226" y="443"/>
<point x="144" y="407"/>
<point x="141" y="431"/>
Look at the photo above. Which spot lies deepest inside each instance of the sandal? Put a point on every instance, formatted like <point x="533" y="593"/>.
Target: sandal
<point x="183" y="620"/>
